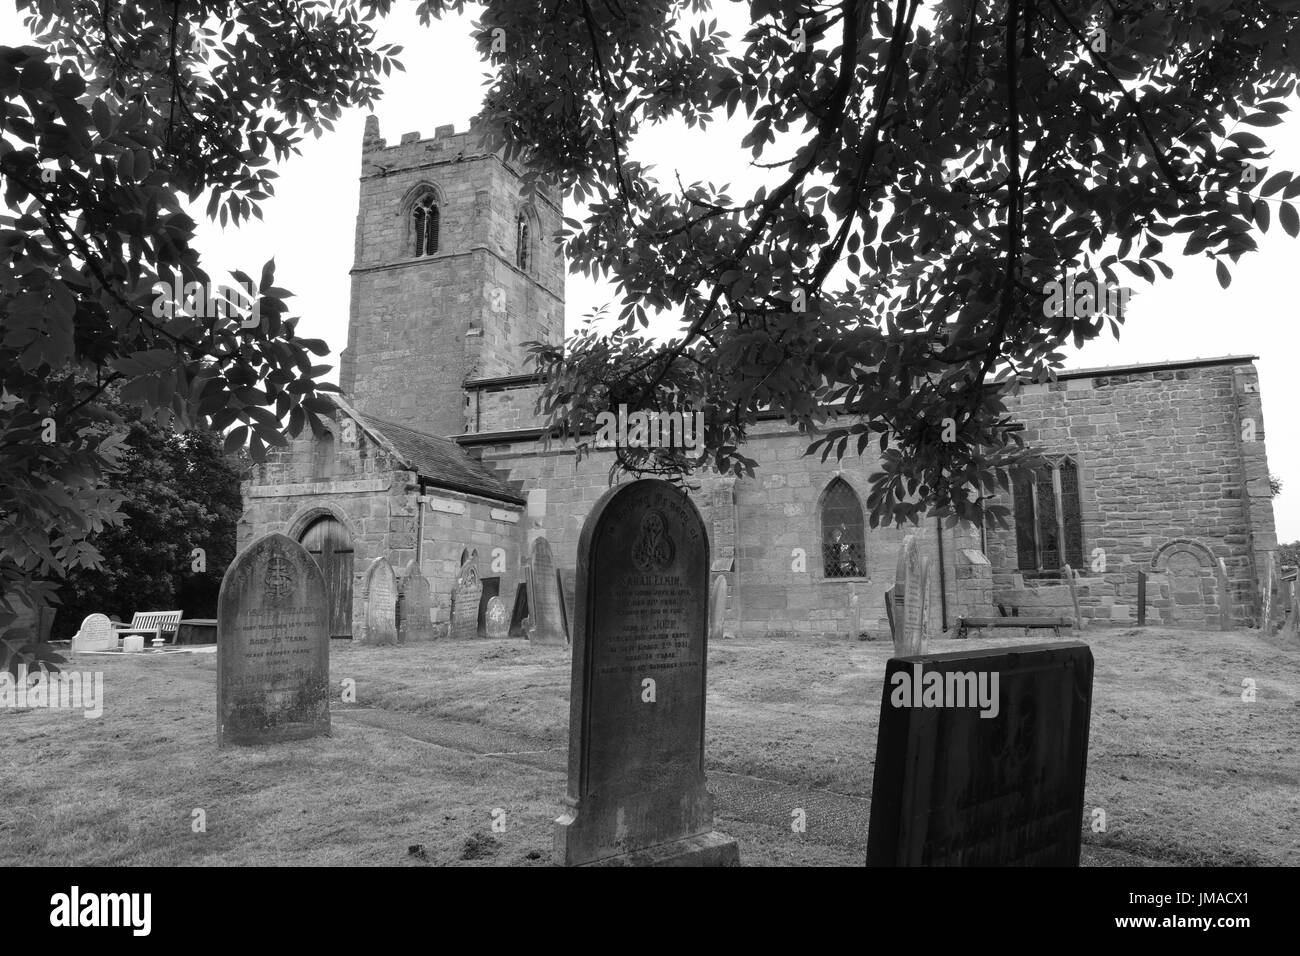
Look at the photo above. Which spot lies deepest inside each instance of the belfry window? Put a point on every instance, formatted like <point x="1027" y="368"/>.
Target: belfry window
<point x="843" y="536"/>
<point x="521" y="243"/>
<point x="425" y="220"/>
<point x="1049" y="524"/>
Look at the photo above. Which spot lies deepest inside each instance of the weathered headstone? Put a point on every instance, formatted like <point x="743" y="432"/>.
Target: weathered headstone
<point x="498" y="619"/>
<point x="379" y="594"/>
<point x="96" y="634"/>
<point x="272" y="645"/>
<point x="566" y="577"/>
<point x="717" y="607"/>
<point x="637" y="793"/>
<point x="465" y="600"/>
<point x="981" y="758"/>
<point x="1142" y="599"/>
<point x="1225" y="596"/>
<point x="911" y="592"/>
<point x="416" y="596"/>
<point x="1269" y="602"/>
<point x="1074" y="596"/>
<point x="544" y="597"/>
<point x="133" y="644"/>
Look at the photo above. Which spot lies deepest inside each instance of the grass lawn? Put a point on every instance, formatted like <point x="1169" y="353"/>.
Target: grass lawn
<point x="443" y="735"/>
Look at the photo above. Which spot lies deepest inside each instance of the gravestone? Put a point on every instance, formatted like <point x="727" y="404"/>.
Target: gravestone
<point x="416" y="623"/>
<point x="1142" y="599"/>
<point x="566" y="577"/>
<point x="96" y="634"/>
<point x="465" y="600"/>
<point x="272" y="645"/>
<point x="498" y="619"/>
<point x="544" y="597"/>
<point x="379" y="588"/>
<point x="717" y="608"/>
<point x="955" y="788"/>
<point x="1074" y="597"/>
<point x="133" y="644"/>
<point x="1225" y="595"/>
<point x="637" y="793"/>
<point x="1269" y="601"/>
<point x="911" y="598"/>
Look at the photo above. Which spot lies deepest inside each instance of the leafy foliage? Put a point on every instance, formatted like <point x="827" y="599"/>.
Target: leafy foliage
<point x="180" y="492"/>
<point x="127" y="108"/>
<point x="934" y="174"/>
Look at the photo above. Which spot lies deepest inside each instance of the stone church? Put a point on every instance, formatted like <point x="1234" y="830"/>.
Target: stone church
<point x="435" y="462"/>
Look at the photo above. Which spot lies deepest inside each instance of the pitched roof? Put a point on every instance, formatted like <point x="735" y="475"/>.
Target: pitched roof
<point x="441" y="461"/>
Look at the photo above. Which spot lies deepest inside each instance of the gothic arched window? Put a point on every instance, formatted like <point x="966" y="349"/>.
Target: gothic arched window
<point x="844" y="553"/>
<point x="522" y="240"/>
<point x="1049" y="526"/>
<point x="424" y="225"/>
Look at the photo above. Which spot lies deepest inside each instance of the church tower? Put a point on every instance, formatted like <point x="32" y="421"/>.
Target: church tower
<point x="453" y="272"/>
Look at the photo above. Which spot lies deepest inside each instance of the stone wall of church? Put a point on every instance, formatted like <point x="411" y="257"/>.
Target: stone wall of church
<point x="770" y="528"/>
<point x="1164" y="455"/>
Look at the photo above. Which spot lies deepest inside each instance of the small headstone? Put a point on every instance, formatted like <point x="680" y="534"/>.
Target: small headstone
<point x="544" y="597"/>
<point x="133" y="644"/>
<point x="465" y="600"/>
<point x="981" y="758"/>
<point x="1225" y="596"/>
<point x="272" y="645"/>
<point x="416" y="623"/>
<point x="379" y="590"/>
<point x="717" y="608"/>
<point x="637" y="793"/>
<point x="96" y="634"/>
<point x="498" y="619"/>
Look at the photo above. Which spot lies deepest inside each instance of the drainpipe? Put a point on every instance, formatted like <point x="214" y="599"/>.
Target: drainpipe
<point x="420" y="501"/>
<point x="943" y="577"/>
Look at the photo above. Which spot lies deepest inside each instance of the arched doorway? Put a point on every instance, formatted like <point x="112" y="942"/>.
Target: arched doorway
<point x="328" y="541"/>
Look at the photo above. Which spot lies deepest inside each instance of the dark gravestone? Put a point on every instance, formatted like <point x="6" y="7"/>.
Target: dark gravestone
<point x="272" y="646"/>
<point x="379" y="590"/>
<point x="565" y="578"/>
<point x="416" y="623"/>
<point x="465" y="600"/>
<point x="544" y="597"/>
<point x="637" y="792"/>
<point x="954" y="788"/>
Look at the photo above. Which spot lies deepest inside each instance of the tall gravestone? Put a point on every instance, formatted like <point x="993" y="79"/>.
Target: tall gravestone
<point x="717" y="608"/>
<point x="465" y="600"/>
<point x="981" y="758"/>
<point x="1225" y="595"/>
<point x="911" y="597"/>
<point x="379" y="588"/>
<point x="565" y="578"/>
<point x="1074" y="597"/>
<point x="637" y="793"/>
<point x="544" y="610"/>
<point x="272" y="645"/>
<point x="416" y="623"/>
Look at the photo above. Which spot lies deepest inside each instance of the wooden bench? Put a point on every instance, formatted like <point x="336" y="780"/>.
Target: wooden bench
<point x="966" y="624"/>
<point x="162" y="624"/>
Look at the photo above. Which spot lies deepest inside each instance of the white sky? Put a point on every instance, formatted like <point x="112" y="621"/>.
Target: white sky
<point x="309" y="230"/>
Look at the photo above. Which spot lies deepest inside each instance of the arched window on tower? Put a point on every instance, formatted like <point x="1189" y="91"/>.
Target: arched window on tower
<point x="843" y="533"/>
<point x="523" y="254"/>
<point x="425" y="220"/>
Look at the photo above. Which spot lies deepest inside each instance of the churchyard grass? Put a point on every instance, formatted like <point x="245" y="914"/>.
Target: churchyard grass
<point x="444" y="734"/>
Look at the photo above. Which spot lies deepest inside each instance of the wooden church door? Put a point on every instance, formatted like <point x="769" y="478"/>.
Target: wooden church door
<point x="329" y="543"/>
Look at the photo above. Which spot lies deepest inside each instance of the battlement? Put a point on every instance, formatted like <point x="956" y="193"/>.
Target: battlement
<point x="412" y="149"/>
